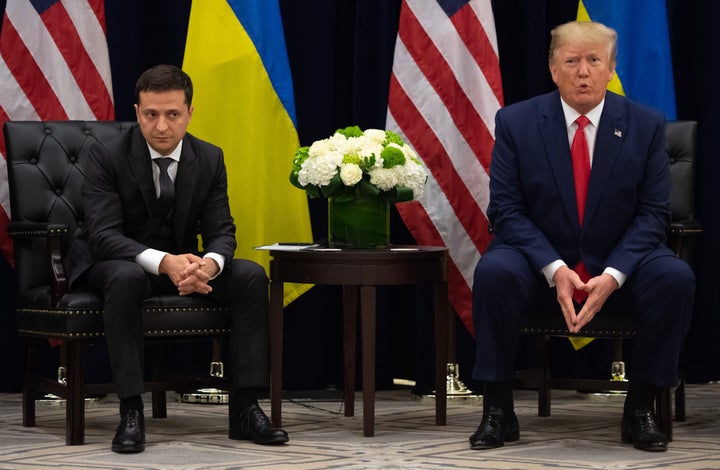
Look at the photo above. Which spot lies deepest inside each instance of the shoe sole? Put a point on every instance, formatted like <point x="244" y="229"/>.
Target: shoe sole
<point x="512" y="437"/>
<point x="627" y="437"/>
<point x="486" y="446"/>
<point x="121" y="449"/>
<point x="268" y="442"/>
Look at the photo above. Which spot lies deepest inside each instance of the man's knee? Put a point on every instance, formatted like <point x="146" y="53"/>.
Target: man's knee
<point x="120" y="274"/>
<point x="499" y="269"/>
<point x="244" y="270"/>
<point x="673" y="277"/>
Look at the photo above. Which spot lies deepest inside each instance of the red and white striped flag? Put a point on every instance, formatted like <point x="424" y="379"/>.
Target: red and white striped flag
<point x="445" y="89"/>
<point x="54" y="65"/>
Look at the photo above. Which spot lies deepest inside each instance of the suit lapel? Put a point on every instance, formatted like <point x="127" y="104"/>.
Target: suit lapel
<point x="140" y="165"/>
<point x="185" y="183"/>
<point x="611" y="131"/>
<point x="557" y="151"/>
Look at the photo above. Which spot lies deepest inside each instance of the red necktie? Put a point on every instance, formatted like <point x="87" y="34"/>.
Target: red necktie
<point x="581" y="170"/>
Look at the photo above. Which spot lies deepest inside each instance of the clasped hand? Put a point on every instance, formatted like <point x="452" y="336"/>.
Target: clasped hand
<point x="190" y="273"/>
<point x="598" y="289"/>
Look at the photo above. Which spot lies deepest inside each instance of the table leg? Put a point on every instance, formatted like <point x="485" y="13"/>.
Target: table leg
<point x="276" y="351"/>
<point x="350" y="302"/>
<point x="367" y="315"/>
<point x="442" y="312"/>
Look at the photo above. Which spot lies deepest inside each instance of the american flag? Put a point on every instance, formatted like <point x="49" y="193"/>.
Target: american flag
<point x="445" y="89"/>
<point x="54" y="65"/>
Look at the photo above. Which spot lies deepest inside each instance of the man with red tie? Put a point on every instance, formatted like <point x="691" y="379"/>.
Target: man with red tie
<point x="579" y="205"/>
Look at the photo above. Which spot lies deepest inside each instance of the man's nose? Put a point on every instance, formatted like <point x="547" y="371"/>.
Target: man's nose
<point x="584" y="69"/>
<point x="161" y="123"/>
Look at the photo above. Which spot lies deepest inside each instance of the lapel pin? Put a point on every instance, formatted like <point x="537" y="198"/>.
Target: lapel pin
<point x="618" y="133"/>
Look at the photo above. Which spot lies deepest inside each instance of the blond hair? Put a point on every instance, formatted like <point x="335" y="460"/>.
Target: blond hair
<point x="584" y="33"/>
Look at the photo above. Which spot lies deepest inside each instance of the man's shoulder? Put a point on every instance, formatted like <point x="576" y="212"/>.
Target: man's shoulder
<point x="116" y="138"/>
<point x="533" y="105"/>
<point x="634" y="109"/>
<point x="202" y="147"/>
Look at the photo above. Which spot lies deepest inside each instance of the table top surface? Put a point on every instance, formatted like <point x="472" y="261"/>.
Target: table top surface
<point x="396" y="264"/>
<point x="319" y="252"/>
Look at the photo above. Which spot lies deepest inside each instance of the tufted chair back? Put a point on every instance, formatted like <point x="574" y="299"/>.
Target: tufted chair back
<point x="681" y="144"/>
<point x="45" y="172"/>
<point x="682" y="150"/>
<point x="45" y="163"/>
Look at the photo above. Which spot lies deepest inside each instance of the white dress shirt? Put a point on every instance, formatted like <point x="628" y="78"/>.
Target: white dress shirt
<point x="150" y="258"/>
<point x="590" y="135"/>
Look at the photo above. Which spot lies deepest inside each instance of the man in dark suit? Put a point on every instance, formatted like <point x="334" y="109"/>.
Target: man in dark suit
<point x="547" y="248"/>
<point x="141" y="240"/>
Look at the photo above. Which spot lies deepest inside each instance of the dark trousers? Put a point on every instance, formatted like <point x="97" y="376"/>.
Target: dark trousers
<point x="506" y="286"/>
<point x="123" y="285"/>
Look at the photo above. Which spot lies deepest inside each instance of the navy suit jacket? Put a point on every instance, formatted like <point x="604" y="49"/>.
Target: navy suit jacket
<point x="119" y="200"/>
<point x="532" y="196"/>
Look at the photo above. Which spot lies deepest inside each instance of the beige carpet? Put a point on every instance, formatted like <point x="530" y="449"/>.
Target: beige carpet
<point x="583" y="432"/>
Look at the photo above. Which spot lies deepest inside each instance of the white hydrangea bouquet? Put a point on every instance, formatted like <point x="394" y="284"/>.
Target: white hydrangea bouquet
<point x="350" y="162"/>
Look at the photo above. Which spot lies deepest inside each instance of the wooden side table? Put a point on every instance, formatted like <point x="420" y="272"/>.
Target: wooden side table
<point x="360" y="272"/>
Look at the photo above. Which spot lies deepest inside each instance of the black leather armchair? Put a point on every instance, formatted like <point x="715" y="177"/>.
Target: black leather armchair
<point x="45" y="171"/>
<point x="681" y="143"/>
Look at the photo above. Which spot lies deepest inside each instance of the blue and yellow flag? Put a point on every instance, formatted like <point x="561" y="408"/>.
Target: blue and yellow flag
<point x="235" y="53"/>
<point x="644" y="65"/>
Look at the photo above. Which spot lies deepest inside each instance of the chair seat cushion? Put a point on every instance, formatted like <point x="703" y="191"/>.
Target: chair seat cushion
<point x="79" y="315"/>
<point x="604" y="324"/>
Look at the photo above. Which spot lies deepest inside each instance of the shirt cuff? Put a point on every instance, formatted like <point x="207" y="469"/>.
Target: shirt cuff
<point x="619" y="277"/>
<point x="219" y="259"/>
<point x="150" y="260"/>
<point x="549" y="271"/>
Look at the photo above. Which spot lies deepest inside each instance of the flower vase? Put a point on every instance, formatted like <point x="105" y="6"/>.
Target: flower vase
<point x="360" y="222"/>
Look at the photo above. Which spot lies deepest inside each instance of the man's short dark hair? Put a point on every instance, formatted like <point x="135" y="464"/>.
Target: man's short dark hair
<point x="164" y="78"/>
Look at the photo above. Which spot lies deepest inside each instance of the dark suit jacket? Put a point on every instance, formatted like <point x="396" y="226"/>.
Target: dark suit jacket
<point x="532" y="203"/>
<point x="119" y="196"/>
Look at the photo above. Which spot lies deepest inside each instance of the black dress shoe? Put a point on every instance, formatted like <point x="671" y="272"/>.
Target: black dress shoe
<point x="254" y="425"/>
<point x="639" y="428"/>
<point x="496" y="427"/>
<point x="130" y="435"/>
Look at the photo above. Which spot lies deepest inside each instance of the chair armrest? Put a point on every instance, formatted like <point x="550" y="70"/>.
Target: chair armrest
<point x="53" y="235"/>
<point x="679" y="232"/>
<point x="36" y="229"/>
<point x="683" y="228"/>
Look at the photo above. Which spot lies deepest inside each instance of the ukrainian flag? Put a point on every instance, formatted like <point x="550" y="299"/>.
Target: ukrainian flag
<point x="644" y="65"/>
<point x="235" y="53"/>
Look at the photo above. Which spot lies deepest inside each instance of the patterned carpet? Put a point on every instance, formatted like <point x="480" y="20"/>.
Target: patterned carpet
<point x="582" y="433"/>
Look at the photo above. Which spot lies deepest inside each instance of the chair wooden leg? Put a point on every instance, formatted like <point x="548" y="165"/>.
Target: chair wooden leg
<point x="680" y="401"/>
<point x="74" y="360"/>
<point x="544" y="391"/>
<point x="544" y="397"/>
<point x="159" y="404"/>
<point x="663" y="411"/>
<point x="28" y="392"/>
